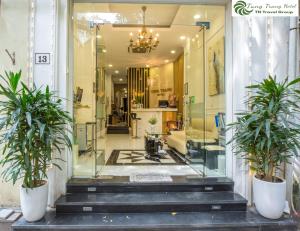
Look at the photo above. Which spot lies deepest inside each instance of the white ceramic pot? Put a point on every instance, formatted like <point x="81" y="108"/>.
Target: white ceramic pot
<point x="152" y="129"/>
<point x="34" y="202"/>
<point x="269" y="197"/>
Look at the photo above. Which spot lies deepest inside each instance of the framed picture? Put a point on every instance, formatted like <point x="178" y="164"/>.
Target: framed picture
<point x="186" y="88"/>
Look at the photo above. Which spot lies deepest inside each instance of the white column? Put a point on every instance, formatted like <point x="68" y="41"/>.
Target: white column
<point x="44" y="42"/>
<point x="50" y="37"/>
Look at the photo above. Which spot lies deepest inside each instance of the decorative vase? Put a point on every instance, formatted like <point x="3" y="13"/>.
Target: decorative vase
<point x="269" y="197"/>
<point x="152" y="128"/>
<point x="34" y="202"/>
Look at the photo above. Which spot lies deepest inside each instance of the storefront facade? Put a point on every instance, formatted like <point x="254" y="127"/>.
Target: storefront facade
<point x="255" y="48"/>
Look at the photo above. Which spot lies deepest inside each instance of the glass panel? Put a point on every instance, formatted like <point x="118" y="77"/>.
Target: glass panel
<point x="101" y="101"/>
<point x="195" y="101"/>
<point x="134" y="84"/>
<point x="205" y="98"/>
<point x="84" y="99"/>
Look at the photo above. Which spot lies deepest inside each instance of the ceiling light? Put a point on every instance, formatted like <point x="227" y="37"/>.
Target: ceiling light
<point x="173" y="51"/>
<point x="110" y="65"/>
<point x="197" y="16"/>
<point x="197" y="36"/>
<point x="182" y="37"/>
<point x="116" y="71"/>
<point x="104" y="50"/>
<point x="99" y="36"/>
<point x="166" y="61"/>
<point x="121" y="79"/>
<point x="147" y="65"/>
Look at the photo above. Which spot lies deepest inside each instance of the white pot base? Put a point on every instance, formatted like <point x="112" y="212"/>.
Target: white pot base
<point x="269" y="198"/>
<point x="34" y="202"/>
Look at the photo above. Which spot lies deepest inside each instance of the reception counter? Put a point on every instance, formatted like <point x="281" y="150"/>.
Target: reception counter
<point x="161" y="114"/>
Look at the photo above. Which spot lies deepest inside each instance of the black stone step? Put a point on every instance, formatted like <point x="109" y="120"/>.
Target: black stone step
<point x="117" y="130"/>
<point x="217" y="221"/>
<point x="123" y="184"/>
<point x="150" y="202"/>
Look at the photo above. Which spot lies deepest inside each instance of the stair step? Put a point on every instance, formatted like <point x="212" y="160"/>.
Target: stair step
<point x="117" y="130"/>
<point x="122" y="184"/>
<point x="150" y="202"/>
<point x="196" y="221"/>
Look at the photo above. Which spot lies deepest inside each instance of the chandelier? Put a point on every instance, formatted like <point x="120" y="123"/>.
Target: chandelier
<point x="145" y="41"/>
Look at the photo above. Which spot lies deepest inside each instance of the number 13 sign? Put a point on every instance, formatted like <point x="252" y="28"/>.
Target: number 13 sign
<point x="42" y="58"/>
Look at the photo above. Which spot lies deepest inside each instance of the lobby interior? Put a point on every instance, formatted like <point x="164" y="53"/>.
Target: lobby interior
<point x="149" y="91"/>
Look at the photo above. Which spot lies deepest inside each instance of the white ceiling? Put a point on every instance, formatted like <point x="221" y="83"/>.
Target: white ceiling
<point x="177" y="20"/>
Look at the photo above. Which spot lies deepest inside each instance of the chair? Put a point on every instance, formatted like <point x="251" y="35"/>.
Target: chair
<point x="136" y="119"/>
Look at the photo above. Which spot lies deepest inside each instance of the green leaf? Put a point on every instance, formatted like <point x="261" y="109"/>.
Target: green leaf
<point x="32" y="123"/>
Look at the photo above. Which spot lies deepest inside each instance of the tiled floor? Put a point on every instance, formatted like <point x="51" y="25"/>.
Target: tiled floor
<point x="84" y="166"/>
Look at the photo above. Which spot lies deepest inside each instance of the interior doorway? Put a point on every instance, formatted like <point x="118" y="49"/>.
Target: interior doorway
<point x="149" y="89"/>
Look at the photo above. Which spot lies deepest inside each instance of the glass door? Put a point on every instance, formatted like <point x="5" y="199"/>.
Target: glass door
<point x="87" y="77"/>
<point x="101" y="101"/>
<point x="174" y="86"/>
<point x="205" y="100"/>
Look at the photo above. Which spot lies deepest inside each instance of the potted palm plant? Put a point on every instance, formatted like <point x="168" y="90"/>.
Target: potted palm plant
<point x="32" y="125"/>
<point x="267" y="136"/>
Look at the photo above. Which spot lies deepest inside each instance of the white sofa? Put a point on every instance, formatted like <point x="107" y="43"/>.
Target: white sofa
<point x="177" y="139"/>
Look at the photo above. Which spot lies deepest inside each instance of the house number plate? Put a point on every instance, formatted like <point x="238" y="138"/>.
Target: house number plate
<point x="42" y="58"/>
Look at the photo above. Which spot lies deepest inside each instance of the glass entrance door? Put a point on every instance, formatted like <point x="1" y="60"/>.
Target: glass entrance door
<point x="205" y="101"/>
<point x="151" y="81"/>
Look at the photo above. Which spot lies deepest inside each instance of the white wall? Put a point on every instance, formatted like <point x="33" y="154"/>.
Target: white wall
<point x="260" y="47"/>
<point x="14" y="36"/>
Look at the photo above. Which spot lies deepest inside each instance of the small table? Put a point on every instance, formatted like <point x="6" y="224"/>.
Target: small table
<point x="195" y="148"/>
<point x="212" y="152"/>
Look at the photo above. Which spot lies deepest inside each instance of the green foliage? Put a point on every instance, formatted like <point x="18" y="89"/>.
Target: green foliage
<point x="152" y="121"/>
<point x="268" y="135"/>
<point x="32" y="125"/>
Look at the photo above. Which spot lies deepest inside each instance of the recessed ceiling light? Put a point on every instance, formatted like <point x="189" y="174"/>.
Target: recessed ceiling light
<point x="182" y="37"/>
<point x="131" y="34"/>
<point x="98" y="36"/>
<point x="173" y="51"/>
<point x="197" y="16"/>
<point x="116" y="71"/>
<point x="157" y="35"/>
<point x="110" y="65"/>
<point x="197" y="36"/>
<point x="147" y="65"/>
<point x="104" y="50"/>
<point x="121" y="79"/>
<point x="167" y="60"/>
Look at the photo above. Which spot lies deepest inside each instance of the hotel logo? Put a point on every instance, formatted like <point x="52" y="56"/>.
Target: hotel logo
<point x="276" y="8"/>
